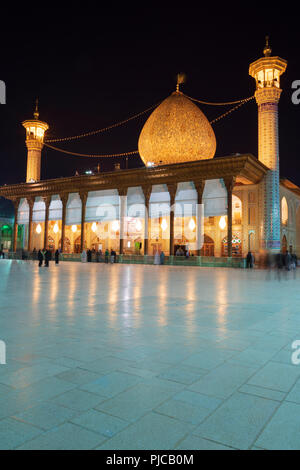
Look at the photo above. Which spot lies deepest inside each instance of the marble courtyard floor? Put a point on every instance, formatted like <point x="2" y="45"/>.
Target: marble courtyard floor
<point x="147" y="357"/>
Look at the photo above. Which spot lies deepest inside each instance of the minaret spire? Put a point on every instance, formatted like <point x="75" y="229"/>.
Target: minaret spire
<point x="36" y="113"/>
<point x="267" y="71"/>
<point x="267" y="48"/>
<point x="35" y="130"/>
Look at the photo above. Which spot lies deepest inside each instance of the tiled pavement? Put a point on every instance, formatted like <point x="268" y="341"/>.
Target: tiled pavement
<point x="147" y="357"/>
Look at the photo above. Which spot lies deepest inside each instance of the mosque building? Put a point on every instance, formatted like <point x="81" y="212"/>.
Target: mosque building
<point x="183" y="199"/>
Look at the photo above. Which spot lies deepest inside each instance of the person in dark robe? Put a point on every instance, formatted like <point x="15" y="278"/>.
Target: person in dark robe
<point x="287" y="260"/>
<point x="249" y="260"/>
<point x="47" y="258"/>
<point x="113" y="256"/>
<point x="99" y="256"/>
<point x="40" y="258"/>
<point x="89" y="256"/>
<point x="57" y="257"/>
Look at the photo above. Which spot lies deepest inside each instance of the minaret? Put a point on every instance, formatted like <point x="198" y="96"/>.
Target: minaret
<point x="35" y="130"/>
<point x="266" y="72"/>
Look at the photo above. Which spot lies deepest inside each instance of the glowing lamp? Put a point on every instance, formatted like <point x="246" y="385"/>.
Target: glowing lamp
<point x="164" y="225"/>
<point x="94" y="227"/>
<point x="55" y="228"/>
<point x="138" y="225"/>
<point x="115" y="225"/>
<point x="222" y="223"/>
<point x="192" y="224"/>
<point x="38" y="229"/>
<point x="128" y="244"/>
<point x="74" y="228"/>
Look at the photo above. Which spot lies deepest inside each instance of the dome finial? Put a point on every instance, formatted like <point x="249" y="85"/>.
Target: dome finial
<point x="36" y="111"/>
<point x="180" y="79"/>
<point x="267" y="48"/>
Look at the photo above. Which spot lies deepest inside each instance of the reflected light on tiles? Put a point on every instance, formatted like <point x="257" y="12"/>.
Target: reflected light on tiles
<point x="72" y="291"/>
<point x="162" y="296"/>
<point x="54" y="288"/>
<point x="221" y="297"/>
<point x="91" y="296"/>
<point x="37" y="287"/>
<point x="113" y="295"/>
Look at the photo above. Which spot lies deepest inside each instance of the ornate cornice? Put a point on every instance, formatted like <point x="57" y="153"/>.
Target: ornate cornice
<point x="246" y="166"/>
<point x="267" y="95"/>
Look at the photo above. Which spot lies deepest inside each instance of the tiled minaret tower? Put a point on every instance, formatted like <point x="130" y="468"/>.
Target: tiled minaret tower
<point x="35" y="130"/>
<point x="266" y="72"/>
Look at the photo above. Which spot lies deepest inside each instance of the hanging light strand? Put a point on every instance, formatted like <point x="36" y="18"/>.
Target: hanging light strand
<point x="135" y="152"/>
<point x="125" y="154"/>
<point x="230" y="110"/>
<point x="104" y="129"/>
<point x="244" y="100"/>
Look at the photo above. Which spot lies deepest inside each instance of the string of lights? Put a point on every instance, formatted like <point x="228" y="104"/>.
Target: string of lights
<point x="244" y="100"/>
<point x="104" y="129"/>
<point x="125" y="154"/>
<point x="135" y="152"/>
<point x="231" y="110"/>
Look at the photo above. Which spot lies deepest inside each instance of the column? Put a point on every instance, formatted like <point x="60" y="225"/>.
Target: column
<point x="16" y="203"/>
<point x="47" y="201"/>
<point x="64" y="200"/>
<point x="123" y="214"/>
<point x="199" y="186"/>
<point x="229" y="183"/>
<point x="83" y="197"/>
<point x="147" y="194"/>
<point x="172" y="191"/>
<point x="30" y="203"/>
<point x="268" y="154"/>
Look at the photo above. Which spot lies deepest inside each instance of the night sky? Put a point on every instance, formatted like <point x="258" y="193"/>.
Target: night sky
<point x="91" y="71"/>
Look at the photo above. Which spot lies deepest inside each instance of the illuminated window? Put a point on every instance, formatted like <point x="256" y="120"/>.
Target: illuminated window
<point x="236" y="210"/>
<point x="284" y="211"/>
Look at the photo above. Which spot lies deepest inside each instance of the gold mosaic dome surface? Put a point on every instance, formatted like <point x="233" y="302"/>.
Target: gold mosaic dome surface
<point x="177" y="131"/>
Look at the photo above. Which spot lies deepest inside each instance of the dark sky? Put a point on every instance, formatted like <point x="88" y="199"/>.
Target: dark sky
<point x="91" y="71"/>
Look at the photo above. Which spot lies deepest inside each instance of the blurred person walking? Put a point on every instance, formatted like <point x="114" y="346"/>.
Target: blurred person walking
<point x="278" y="264"/>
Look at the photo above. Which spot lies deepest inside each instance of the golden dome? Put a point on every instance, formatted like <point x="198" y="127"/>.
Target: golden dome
<point x="177" y="131"/>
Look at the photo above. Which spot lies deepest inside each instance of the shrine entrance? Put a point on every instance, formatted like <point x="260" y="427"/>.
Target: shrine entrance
<point x="208" y="248"/>
<point x="236" y="246"/>
<point x="284" y="244"/>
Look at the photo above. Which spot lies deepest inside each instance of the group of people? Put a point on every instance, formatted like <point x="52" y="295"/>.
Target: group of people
<point x="2" y="253"/>
<point x="159" y="257"/>
<point x="109" y="256"/>
<point x="45" y="255"/>
<point x="281" y="263"/>
<point x="182" y="252"/>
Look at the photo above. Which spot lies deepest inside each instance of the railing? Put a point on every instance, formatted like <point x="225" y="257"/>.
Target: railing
<point x="209" y="261"/>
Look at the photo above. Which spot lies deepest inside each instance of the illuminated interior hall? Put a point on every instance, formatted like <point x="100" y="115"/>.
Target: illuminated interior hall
<point x="183" y="199"/>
